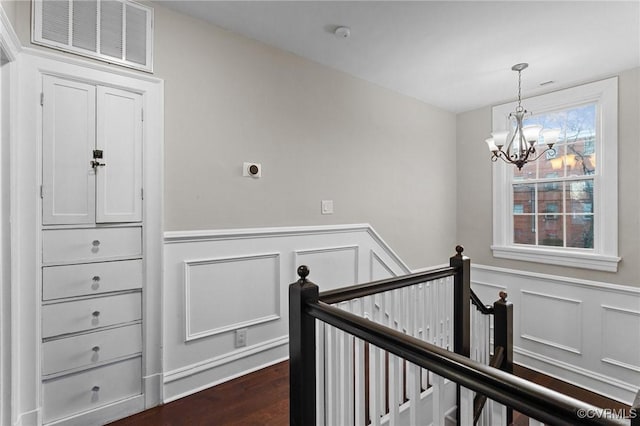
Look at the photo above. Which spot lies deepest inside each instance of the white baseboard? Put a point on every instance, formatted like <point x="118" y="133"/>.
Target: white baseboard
<point x="28" y="419"/>
<point x="152" y="386"/>
<point x="203" y="375"/>
<point x="203" y="366"/>
<point x="104" y="414"/>
<point x="590" y="380"/>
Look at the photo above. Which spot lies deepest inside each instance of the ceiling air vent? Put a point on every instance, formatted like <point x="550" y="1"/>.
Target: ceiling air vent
<point x="115" y="31"/>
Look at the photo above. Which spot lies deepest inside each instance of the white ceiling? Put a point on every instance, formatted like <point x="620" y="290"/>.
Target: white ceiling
<point x="456" y="55"/>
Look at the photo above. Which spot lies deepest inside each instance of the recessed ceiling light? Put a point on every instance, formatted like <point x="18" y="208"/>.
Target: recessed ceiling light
<point x="342" y="32"/>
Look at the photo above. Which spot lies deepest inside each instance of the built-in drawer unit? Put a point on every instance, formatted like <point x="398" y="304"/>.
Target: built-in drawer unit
<point x="90" y="389"/>
<point x="88" y="314"/>
<point x="63" y="246"/>
<point x="90" y="278"/>
<point x="86" y="350"/>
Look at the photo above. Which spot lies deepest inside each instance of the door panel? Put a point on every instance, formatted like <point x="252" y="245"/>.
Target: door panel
<point x="119" y="136"/>
<point x="68" y="140"/>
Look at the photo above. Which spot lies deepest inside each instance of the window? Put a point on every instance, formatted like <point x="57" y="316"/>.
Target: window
<point x="562" y="208"/>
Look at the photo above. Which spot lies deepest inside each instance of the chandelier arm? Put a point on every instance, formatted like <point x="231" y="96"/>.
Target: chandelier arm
<point x="543" y="152"/>
<point x="504" y="157"/>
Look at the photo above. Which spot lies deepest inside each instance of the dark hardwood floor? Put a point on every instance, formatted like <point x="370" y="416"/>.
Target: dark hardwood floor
<point x="565" y="388"/>
<point x="262" y="398"/>
<point x="259" y="398"/>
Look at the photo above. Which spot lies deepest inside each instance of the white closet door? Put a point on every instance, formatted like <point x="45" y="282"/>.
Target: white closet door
<point x="68" y="137"/>
<point x="119" y="136"/>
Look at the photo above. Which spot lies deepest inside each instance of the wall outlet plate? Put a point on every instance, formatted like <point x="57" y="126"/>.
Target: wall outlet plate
<point x="241" y="338"/>
<point x="250" y="169"/>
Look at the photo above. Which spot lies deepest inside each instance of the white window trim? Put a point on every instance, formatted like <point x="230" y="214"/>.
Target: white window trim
<point x="604" y="255"/>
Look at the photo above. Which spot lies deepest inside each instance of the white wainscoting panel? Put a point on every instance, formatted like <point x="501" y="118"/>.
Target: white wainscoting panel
<point x="216" y="282"/>
<point x="378" y="269"/>
<point x="583" y="332"/>
<point x="214" y="288"/>
<point x="562" y="310"/>
<point x="620" y="344"/>
<point x="332" y="267"/>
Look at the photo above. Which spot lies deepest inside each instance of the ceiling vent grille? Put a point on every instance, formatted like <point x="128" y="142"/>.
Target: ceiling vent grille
<point x="115" y="31"/>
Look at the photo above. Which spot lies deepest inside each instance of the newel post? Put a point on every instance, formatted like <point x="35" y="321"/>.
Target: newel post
<point x="461" y="303"/>
<point x="461" y="309"/>
<point x="302" y="351"/>
<point x="503" y="336"/>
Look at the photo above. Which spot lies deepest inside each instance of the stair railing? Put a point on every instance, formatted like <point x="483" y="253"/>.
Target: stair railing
<point x="502" y="355"/>
<point x="353" y="332"/>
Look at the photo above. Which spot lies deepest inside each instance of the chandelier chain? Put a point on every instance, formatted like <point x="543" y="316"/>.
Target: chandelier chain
<point x="519" y="108"/>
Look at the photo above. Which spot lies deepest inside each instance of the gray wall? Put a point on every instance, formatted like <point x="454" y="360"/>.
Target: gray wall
<point x="318" y="133"/>
<point x="474" y="208"/>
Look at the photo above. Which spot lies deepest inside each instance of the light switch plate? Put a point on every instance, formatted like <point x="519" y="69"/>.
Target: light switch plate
<point x="326" y="207"/>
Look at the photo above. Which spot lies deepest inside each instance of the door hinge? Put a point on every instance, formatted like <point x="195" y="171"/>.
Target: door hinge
<point x="41" y="191"/>
<point x="142" y="114"/>
<point x="142" y="193"/>
<point x="41" y="98"/>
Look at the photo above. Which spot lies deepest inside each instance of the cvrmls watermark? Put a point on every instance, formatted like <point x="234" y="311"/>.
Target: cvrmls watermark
<point x="607" y="413"/>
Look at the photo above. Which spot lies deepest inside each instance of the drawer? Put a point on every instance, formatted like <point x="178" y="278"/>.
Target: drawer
<point x="91" y="389"/>
<point x="90" y="278"/>
<point x="80" y="315"/>
<point x="89" y="349"/>
<point x="60" y="246"/>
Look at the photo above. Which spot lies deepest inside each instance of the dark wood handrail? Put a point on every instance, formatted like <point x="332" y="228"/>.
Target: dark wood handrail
<point x="526" y="397"/>
<point x="484" y="309"/>
<point x="380" y="286"/>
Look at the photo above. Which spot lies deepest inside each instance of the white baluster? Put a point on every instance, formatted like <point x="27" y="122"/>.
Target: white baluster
<point x="442" y="300"/>
<point x="320" y="372"/>
<point x="395" y="389"/>
<point x="423" y="307"/>
<point x="331" y="391"/>
<point x="413" y="373"/>
<point x="498" y="413"/>
<point x="466" y="406"/>
<point x="437" y="395"/>
<point x="375" y="388"/>
<point x="449" y="303"/>
<point x="346" y="375"/>
<point x="407" y="327"/>
<point x="359" y="366"/>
